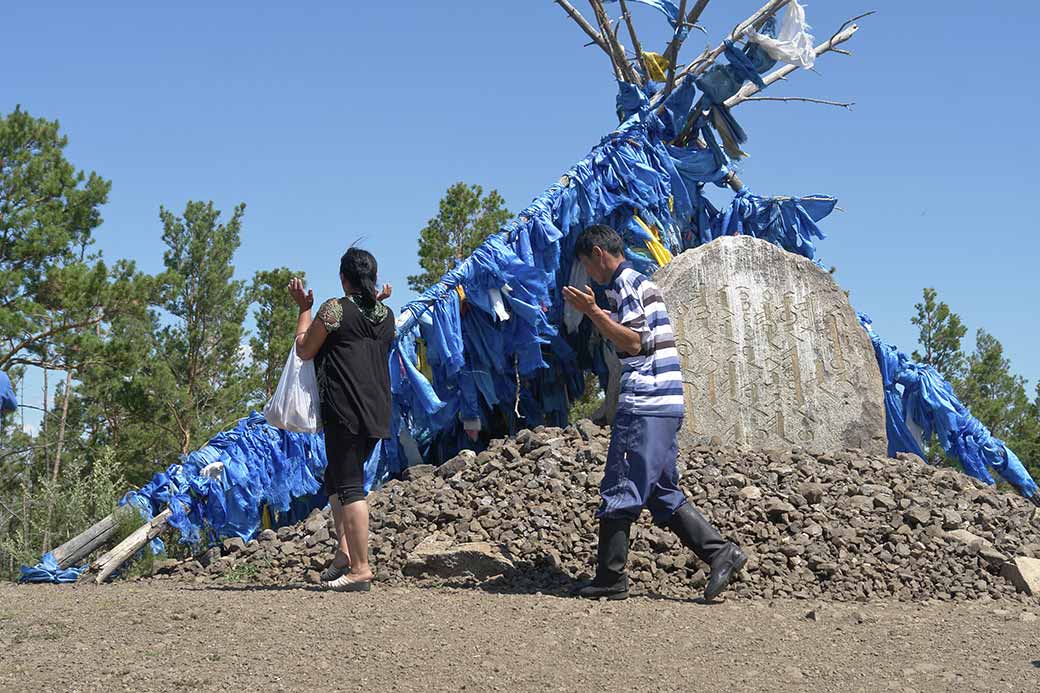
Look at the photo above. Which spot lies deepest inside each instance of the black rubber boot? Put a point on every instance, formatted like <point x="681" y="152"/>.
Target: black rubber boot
<point x="698" y="535"/>
<point x="611" y="581"/>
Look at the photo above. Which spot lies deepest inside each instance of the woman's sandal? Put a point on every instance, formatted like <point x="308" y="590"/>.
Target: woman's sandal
<point x="334" y="572"/>
<point x="345" y="584"/>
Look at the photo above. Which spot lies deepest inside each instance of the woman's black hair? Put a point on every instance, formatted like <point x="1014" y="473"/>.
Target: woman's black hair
<point x="359" y="268"/>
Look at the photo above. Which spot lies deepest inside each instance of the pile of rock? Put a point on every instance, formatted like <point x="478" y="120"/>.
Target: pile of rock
<point x="844" y="526"/>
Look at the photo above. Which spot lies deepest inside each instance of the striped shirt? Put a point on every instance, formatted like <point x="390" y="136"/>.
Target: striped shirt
<point x="651" y="381"/>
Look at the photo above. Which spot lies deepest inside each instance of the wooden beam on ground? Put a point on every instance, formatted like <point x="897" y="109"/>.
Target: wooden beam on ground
<point x="124" y="550"/>
<point x="83" y="544"/>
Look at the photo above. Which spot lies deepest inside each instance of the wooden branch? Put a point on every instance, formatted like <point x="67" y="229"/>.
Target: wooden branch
<point x="83" y="544"/>
<point x="803" y="99"/>
<point x="705" y="59"/>
<point x="671" y="53"/>
<point x="584" y="24"/>
<point x="124" y="550"/>
<point x="608" y="38"/>
<point x="44" y="335"/>
<point x="625" y="70"/>
<point x="695" y="13"/>
<point x="635" y="39"/>
<point x="749" y="89"/>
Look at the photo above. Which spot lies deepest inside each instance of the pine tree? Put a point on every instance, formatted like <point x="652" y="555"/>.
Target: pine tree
<point x="999" y="399"/>
<point x="275" y="315"/>
<point x="466" y="217"/>
<point x="203" y="373"/>
<point x="939" y="332"/>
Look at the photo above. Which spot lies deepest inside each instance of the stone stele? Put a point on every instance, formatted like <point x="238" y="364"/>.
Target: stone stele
<point x="772" y="353"/>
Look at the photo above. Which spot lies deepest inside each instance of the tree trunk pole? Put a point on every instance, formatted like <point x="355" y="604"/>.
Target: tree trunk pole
<point x="83" y="544"/>
<point x="124" y="550"/>
<point x="57" y="460"/>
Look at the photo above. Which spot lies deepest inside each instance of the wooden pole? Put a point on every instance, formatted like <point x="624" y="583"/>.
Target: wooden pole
<point x="584" y="24"/>
<point x="671" y="53"/>
<point x="636" y="46"/>
<point x="124" y="550"/>
<point x="705" y="59"/>
<point x="750" y="89"/>
<point x="82" y="545"/>
<point x="627" y="72"/>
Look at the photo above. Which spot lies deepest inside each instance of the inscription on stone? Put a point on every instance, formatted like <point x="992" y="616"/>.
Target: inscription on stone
<point x="773" y="355"/>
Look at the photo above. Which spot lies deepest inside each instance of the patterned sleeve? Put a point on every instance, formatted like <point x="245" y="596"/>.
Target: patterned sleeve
<point x="331" y="315"/>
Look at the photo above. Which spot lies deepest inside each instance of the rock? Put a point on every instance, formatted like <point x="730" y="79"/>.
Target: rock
<point x="812" y="492"/>
<point x="756" y="324"/>
<point x="820" y="527"/>
<point x="1024" y="574"/>
<point x="438" y="556"/>
<point x="963" y="536"/>
<point x="455" y="464"/>
<point x="588" y="429"/>
<point x="951" y="519"/>
<point x="268" y="535"/>
<point x="312" y="577"/>
<point x="210" y="555"/>
<point x="418" y="471"/>
<point x="233" y="545"/>
<point x="776" y="509"/>
<point x="992" y="556"/>
<point x="917" y="516"/>
<point x="320" y="536"/>
<point x="751" y="493"/>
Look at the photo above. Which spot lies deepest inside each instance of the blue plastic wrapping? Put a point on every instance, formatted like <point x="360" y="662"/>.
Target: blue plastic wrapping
<point x="262" y="465"/>
<point x="929" y="401"/>
<point x="8" y="400"/>
<point x="47" y="570"/>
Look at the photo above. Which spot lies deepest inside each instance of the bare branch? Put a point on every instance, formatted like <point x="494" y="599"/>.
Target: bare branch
<point x="635" y="39"/>
<point x="626" y="71"/>
<point x="804" y="99"/>
<point x="749" y="89"/>
<point x="695" y="13"/>
<point x="705" y="59"/>
<point x="608" y="40"/>
<point x="584" y="24"/>
<point x="671" y="53"/>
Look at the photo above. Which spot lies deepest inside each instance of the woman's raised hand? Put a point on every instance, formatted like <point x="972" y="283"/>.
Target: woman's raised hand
<point x="385" y="293"/>
<point x="304" y="298"/>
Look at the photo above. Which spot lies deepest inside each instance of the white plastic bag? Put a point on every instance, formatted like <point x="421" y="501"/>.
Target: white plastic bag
<point x="793" y="43"/>
<point x="294" y="405"/>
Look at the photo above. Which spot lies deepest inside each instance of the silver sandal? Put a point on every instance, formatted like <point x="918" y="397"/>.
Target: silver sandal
<point x="334" y="572"/>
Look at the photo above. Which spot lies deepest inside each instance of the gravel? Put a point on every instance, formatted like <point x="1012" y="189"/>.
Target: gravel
<point x="840" y="526"/>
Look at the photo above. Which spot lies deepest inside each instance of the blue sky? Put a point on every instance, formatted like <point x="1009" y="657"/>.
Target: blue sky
<point x="339" y="121"/>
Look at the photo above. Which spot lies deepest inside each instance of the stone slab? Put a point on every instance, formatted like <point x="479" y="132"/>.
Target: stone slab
<point x="773" y="355"/>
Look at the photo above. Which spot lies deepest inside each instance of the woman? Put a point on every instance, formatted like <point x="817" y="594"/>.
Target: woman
<point x="350" y="340"/>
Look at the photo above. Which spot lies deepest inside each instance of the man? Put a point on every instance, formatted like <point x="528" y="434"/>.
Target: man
<point x="641" y="470"/>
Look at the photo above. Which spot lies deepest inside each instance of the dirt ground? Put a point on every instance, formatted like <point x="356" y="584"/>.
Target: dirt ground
<point x="147" y="637"/>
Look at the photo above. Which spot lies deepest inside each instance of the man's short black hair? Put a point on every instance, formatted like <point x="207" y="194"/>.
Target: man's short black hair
<point x="602" y="236"/>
